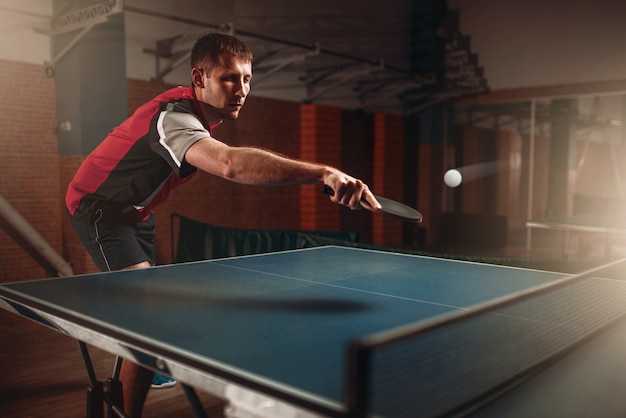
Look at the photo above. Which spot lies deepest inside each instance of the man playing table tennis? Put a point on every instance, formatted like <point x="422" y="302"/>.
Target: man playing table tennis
<point x="161" y="146"/>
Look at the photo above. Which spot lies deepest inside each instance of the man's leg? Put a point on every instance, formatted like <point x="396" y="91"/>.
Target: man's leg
<point x="136" y="382"/>
<point x="102" y="240"/>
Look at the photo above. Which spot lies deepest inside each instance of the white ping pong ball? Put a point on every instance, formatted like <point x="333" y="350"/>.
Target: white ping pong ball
<point x="452" y="178"/>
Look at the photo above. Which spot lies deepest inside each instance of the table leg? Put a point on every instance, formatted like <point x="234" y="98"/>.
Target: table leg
<point x="114" y="388"/>
<point x="196" y="405"/>
<point x="96" y="394"/>
<point x="95" y="401"/>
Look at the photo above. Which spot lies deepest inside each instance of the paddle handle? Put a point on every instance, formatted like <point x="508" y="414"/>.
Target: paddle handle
<point x="327" y="190"/>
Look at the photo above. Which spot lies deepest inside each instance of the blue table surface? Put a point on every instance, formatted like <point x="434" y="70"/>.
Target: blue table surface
<point x="283" y="318"/>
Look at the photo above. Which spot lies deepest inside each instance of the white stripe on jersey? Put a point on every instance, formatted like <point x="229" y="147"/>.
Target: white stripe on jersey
<point x="162" y="138"/>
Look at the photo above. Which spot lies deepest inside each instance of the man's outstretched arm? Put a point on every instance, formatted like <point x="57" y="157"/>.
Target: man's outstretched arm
<point x="256" y="166"/>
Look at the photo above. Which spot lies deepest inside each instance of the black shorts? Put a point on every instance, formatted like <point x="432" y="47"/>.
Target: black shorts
<point x="114" y="245"/>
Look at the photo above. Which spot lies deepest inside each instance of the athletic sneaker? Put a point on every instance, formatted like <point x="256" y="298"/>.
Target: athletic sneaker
<point x="162" y="382"/>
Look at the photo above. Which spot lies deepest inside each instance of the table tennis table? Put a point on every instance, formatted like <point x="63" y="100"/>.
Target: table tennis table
<point x="606" y="225"/>
<point x="349" y="332"/>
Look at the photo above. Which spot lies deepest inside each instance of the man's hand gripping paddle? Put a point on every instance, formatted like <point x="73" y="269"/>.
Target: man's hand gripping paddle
<point x="388" y="206"/>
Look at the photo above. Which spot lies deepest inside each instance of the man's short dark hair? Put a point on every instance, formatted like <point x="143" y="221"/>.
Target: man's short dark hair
<point x="209" y="48"/>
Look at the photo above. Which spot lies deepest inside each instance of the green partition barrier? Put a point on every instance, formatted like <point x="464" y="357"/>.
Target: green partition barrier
<point x="201" y="241"/>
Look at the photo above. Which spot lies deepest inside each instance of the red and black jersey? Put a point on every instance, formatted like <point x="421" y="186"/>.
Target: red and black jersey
<point x="141" y="161"/>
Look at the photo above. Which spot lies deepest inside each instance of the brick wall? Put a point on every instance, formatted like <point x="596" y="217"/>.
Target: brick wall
<point x="388" y="175"/>
<point x="357" y="159"/>
<point x="428" y="167"/>
<point x="29" y="165"/>
<point x="320" y="138"/>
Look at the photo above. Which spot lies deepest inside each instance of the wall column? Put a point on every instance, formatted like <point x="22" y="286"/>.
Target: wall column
<point x="320" y="141"/>
<point x="388" y="175"/>
<point x="91" y="91"/>
<point x="91" y="99"/>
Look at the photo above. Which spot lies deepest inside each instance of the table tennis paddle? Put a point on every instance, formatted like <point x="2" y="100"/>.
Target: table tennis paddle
<point x="388" y="206"/>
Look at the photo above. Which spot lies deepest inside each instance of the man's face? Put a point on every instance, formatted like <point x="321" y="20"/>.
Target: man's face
<point x="226" y="87"/>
